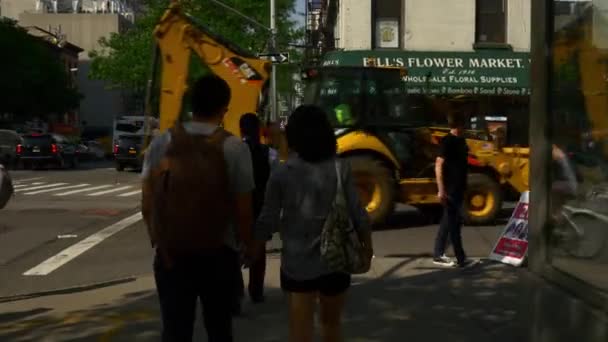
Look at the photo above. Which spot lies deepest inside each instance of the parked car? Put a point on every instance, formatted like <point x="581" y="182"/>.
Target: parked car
<point x="39" y="150"/>
<point x="128" y="152"/>
<point x="95" y="149"/>
<point x="102" y="135"/>
<point x="8" y="147"/>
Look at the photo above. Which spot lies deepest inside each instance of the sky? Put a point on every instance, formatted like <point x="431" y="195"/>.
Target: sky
<point x="300" y="8"/>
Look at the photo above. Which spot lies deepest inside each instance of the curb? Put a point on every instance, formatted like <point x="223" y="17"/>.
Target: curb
<point x="67" y="290"/>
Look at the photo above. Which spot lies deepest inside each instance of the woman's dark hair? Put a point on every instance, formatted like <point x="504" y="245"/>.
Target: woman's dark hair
<point x="310" y="134"/>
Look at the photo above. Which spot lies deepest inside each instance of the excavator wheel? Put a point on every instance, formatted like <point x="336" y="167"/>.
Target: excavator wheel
<point x="376" y="187"/>
<point x="483" y="200"/>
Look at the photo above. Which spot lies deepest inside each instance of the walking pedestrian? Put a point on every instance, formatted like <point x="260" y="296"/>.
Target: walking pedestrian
<point x="197" y="189"/>
<point x="264" y="159"/>
<point x="303" y="190"/>
<point x="451" y="170"/>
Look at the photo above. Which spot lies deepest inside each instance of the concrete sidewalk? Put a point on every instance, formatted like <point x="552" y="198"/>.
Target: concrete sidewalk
<point x="400" y="299"/>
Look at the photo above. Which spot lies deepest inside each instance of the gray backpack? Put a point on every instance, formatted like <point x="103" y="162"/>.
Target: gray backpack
<point x="6" y="187"/>
<point x="341" y="249"/>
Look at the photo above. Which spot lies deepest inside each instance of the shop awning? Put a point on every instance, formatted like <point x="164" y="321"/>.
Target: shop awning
<point x="484" y="72"/>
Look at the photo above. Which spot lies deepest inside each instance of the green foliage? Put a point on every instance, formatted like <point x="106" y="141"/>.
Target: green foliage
<point x="124" y="59"/>
<point x="34" y="81"/>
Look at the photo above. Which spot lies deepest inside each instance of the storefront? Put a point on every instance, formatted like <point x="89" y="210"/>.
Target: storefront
<point x="485" y="84"/>
<point x="568" y="255"/>
<point x="484" y="72"/>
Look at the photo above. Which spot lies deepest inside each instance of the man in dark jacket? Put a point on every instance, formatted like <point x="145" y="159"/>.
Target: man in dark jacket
<point x="263" y="159"/>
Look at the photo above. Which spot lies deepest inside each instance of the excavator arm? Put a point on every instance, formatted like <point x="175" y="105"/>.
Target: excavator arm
<point x="178" y="36"/>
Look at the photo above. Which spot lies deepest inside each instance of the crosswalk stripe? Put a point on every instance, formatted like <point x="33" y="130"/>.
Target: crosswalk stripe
<point x="27" y="179"/>
<point x="68" y="254"/>
<point x="110" y="191"/>
<point x="22" y="185"/>
<point x="40" y="187"/>
<point x="83" y="190"/>
<point x="133" y="193"/>
<point x="56" y="189"/>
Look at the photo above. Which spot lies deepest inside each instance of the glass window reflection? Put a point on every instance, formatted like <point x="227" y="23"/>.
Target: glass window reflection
<point x="579" y="191"/>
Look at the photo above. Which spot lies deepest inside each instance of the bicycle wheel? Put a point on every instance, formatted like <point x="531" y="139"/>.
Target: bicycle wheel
<point x="592" y="241"/>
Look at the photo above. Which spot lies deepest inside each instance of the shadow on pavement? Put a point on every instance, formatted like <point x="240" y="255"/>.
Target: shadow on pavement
<point x="412" y="218"/>
<point x="476" y="304"/>
<point x="82" y="166"/>
<point x="15" y="316"/>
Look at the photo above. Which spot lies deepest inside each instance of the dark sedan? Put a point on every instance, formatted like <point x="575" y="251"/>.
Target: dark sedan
<point x="40" y="150"/>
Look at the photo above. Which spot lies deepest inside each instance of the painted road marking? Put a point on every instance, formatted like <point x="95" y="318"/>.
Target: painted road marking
<point x="41" y="187"/>
<point x="22" y="185"/>
<point x="133" y="193"/>
<point x="56" y="189"/>
<point x="110" y="191"/>
<point x="28" y="179"/>
<point x="77" y="249"/>
<point x="83" y="190"/>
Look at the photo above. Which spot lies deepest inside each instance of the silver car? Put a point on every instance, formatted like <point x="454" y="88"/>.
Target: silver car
<point x="9" y="140"/>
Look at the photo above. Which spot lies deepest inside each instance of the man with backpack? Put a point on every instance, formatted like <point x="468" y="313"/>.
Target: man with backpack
<point x="264" y="158"/>
<point x="197" y="189"/>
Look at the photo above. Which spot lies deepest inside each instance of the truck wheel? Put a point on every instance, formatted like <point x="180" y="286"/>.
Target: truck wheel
<point x="483" y="200"/>
<point x="376" y="187"/>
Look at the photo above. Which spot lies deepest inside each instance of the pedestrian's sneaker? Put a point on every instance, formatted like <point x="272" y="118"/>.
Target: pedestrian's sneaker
<point x="443" y="261"/>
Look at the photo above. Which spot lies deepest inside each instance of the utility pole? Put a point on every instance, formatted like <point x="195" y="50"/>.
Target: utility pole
<point x="273" y="49"/>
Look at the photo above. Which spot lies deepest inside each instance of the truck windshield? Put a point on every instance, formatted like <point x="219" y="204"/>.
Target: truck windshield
<point x="339" y="93"/>
<point x="376" y="97"/>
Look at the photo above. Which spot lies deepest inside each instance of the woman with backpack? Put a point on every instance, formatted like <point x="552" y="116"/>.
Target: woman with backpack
<point x="300" y="196"/>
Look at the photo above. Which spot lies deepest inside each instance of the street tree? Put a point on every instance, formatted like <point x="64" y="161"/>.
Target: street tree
<point x="123" y="60"/>
<point x="34" y="81"/>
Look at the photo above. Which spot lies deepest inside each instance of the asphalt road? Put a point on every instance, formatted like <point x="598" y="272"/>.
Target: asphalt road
<point x="69" y="228"/>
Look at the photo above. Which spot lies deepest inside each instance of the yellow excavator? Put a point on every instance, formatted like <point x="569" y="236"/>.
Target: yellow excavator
<point x="178" y="36"/>
<point x="581" y="73"/>
<point x="392" y="139"/>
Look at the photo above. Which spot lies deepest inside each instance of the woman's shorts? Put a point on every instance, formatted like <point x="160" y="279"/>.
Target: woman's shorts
<point x="332" y="284"/>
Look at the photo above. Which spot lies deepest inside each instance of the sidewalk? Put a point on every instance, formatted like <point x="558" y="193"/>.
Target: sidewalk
<point x="400" y="299"/>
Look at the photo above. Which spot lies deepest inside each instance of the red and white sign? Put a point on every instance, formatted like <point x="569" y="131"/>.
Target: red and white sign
<point x="512" y="246"/>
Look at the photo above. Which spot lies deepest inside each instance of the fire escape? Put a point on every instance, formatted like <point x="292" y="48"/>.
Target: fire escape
<point x="320" y="23"/>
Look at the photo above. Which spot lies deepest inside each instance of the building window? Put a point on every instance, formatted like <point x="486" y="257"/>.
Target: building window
<point x="491" y="21"/>
<point x="387" y="17"/>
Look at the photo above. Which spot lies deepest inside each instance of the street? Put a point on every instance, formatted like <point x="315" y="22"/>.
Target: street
<point x="498" y="100"/>
<point x="53" y="210"/>
<point x="68" y="229"/>
<point x="76" y="265"/>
